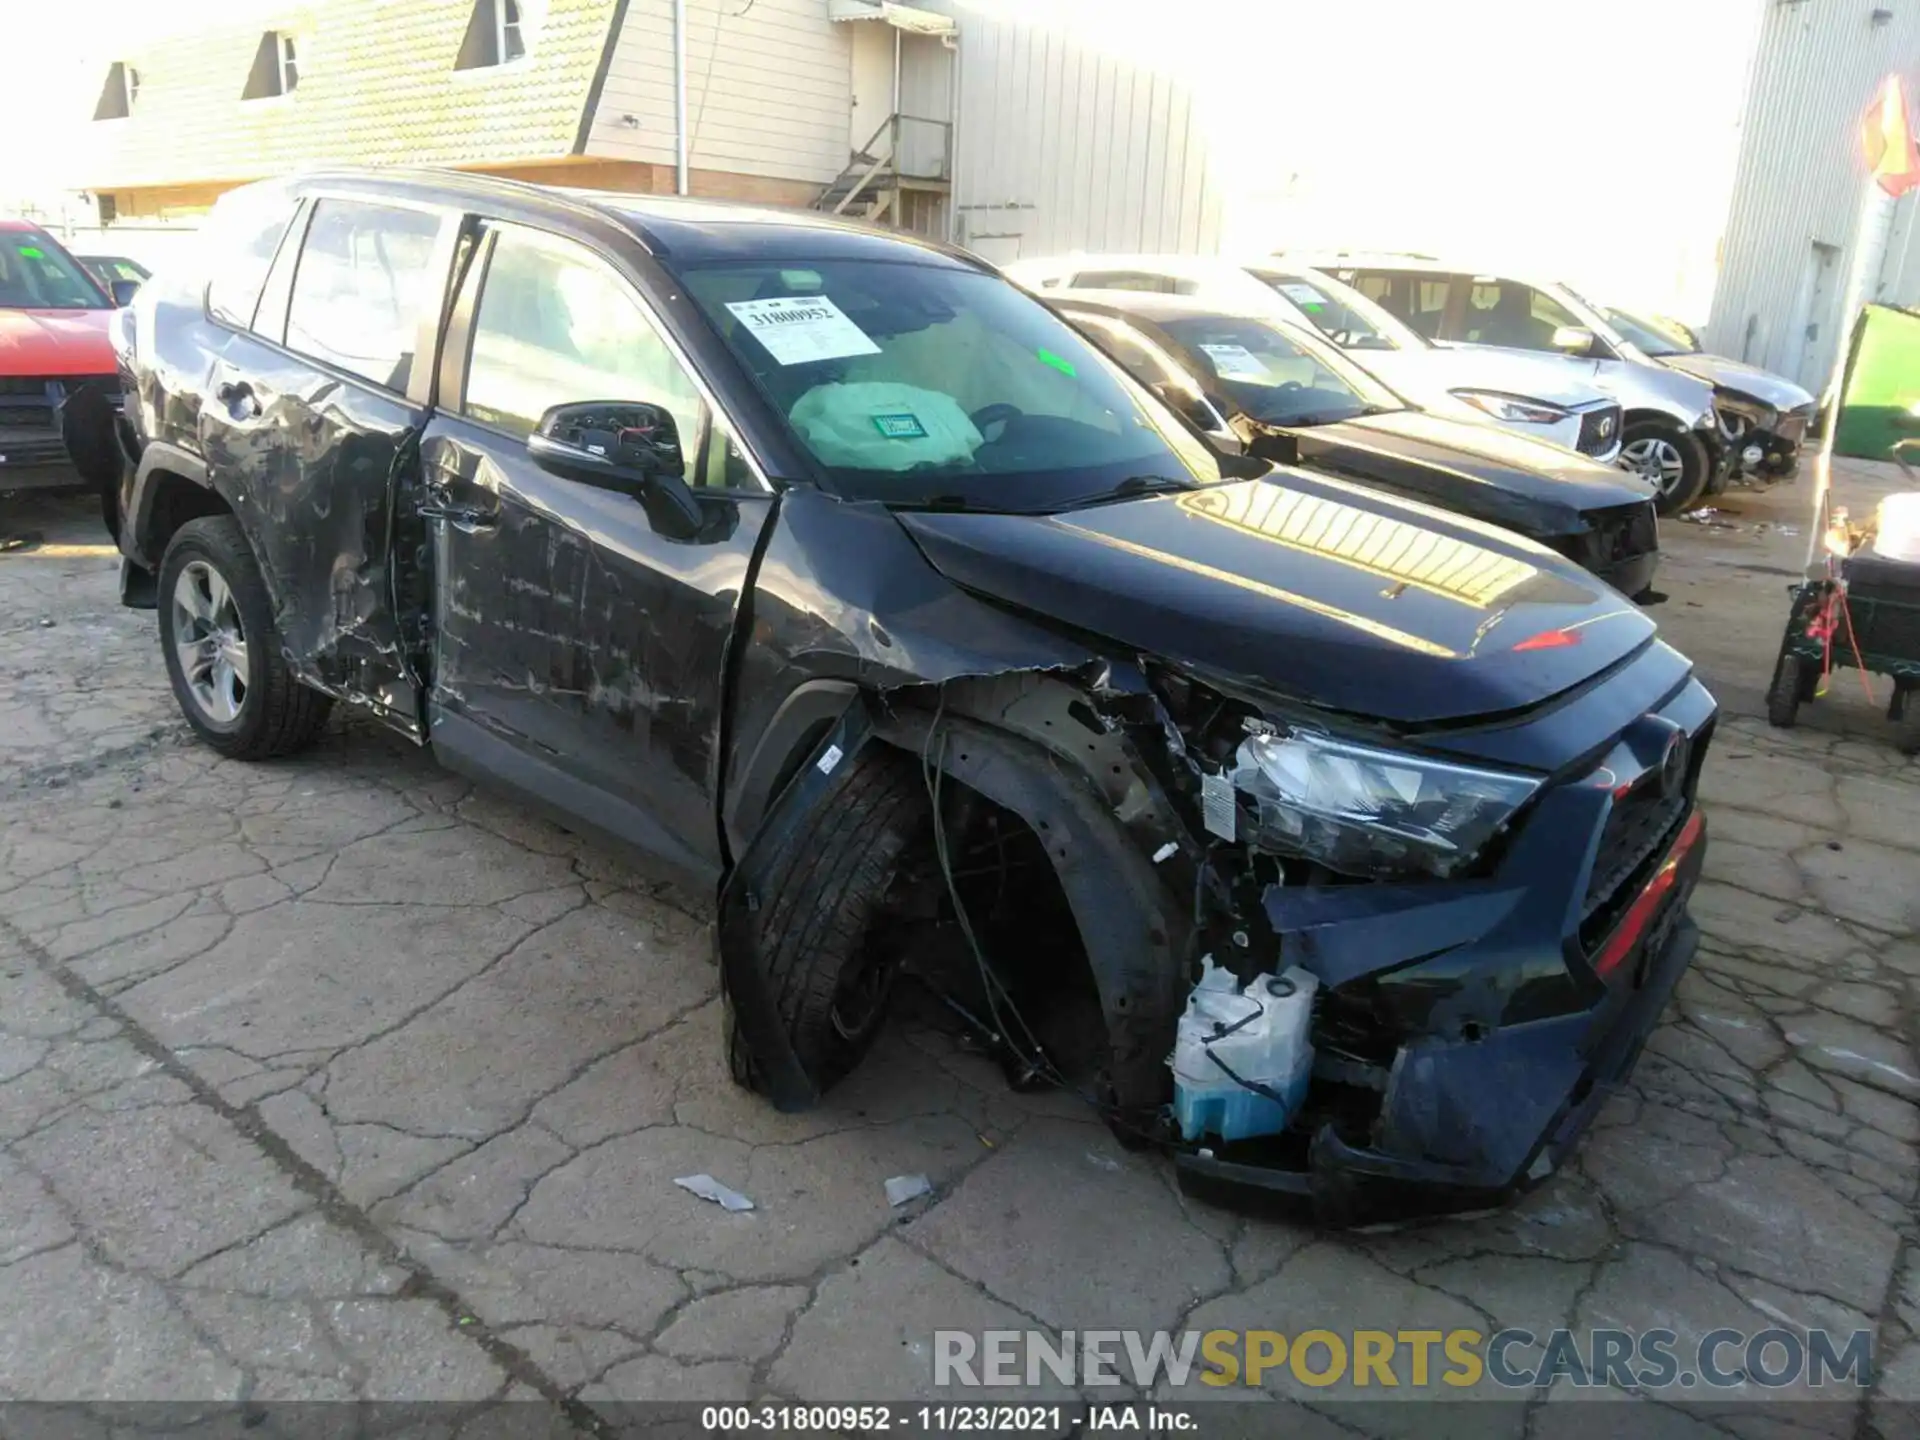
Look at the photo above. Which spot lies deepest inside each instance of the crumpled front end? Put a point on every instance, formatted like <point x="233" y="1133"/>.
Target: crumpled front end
<point x="1464" y="1028"/>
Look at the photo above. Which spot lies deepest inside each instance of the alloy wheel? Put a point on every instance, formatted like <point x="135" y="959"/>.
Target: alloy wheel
<point x="210" y="642"/>
<point x="1655" y="458"/>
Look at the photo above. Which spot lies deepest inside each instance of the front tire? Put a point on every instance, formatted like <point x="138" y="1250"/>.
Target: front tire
<point x="223" y="650"/>
<point x="1794" y="679"/>
<point x="1675" y="461"/>
<point x="825" y="916"/>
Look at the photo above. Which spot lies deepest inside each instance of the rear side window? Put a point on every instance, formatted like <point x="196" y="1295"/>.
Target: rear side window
<point x="362" y="288"/>
<point x="1417" y="297"/>
<point x="1501" y="312"/>
<point x="241" y="240"/>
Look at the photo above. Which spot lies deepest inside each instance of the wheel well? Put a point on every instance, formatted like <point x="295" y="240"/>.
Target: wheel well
<point x="1634" y="418"/>
<point x="176" y="500"/>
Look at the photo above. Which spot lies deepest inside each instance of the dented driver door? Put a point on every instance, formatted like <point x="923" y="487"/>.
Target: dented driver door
<point x="580" y="654"/>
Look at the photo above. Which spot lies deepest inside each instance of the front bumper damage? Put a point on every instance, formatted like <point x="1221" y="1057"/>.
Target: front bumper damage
<point x="1466" y="1032"/>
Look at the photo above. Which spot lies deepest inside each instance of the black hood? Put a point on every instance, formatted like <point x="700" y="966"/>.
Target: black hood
<point x="1299" y="584"/>
<point x="1491" y="474"/>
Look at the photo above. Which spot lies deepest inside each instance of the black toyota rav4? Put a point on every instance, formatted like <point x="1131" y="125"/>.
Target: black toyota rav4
<point x="838" y="573"/>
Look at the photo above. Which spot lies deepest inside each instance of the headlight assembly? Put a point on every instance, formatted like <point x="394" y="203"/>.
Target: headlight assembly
<point x="1511" y="409"/>
<point x="1363" y="811"/>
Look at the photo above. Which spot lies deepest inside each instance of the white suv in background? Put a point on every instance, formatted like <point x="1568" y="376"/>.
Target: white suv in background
<point x="1537" y="397"/>
<point x="1674" y="437"/>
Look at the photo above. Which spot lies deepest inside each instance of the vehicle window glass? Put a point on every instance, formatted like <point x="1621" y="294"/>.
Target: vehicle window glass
<point x="1143" y="280"/>
<point x="556" y="326"/>
<point x="362" y="287"/>
<point x="1340" y="322"/>
<point x="36" y="274"/>
<point x="1650" y="335"/>
<point x="240" y="241"/>
<point x="921" y="382"/>
<point x="1417" y="298"/>
<point x="1132" y="350"/>
<point x="1275" y="378"/>
<point x="1501" y="312"/>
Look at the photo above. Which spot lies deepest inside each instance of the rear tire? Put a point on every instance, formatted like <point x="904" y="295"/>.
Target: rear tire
<point x="1793" y="682"/>
<point x="822" y="920"/>
<point x="223" y="650"/>
<point x="1675" y="461"/>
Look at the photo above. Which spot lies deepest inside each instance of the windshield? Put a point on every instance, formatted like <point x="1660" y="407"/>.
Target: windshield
<point x="930" y="384"/>
<point x="36" y="274"/>
<point x="1649" y="335"/>
<point x="1340" y="313"/>
<point x="1275" y="378"/>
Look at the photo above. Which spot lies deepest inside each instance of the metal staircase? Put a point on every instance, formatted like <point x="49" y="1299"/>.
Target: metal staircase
<point x="900" y="178"/>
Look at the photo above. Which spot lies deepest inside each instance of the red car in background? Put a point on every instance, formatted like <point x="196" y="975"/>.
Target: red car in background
<point x="59" y="381"/>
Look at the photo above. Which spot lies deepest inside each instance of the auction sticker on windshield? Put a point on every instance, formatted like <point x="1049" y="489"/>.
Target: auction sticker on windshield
<point x="1302" y="295"/>
<point x="798" y="330"/>
<point x="1235" y="362"/>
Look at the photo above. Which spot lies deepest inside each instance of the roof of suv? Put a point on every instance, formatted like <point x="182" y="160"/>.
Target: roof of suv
<point x="666" y="224"/>
<point x="1152" y="305"/>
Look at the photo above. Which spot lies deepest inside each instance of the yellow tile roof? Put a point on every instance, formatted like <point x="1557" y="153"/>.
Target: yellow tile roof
<point x="377" y="85"/>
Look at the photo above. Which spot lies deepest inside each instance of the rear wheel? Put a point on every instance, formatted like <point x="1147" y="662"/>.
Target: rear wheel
<point x="223" y="650"/>
<point x="1674" y="461"/>
<point x="1794" y="679"/>
<point x="827" y="920"/>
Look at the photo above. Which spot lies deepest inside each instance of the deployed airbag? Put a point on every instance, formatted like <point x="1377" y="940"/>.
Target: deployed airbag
<point x="883" y="425"/>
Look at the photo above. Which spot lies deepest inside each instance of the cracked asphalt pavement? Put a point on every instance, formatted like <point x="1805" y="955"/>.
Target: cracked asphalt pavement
<point x="339" y="1078"/>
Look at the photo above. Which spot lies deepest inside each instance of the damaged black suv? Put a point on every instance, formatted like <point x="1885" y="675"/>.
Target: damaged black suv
<point x="1338" y="845"/>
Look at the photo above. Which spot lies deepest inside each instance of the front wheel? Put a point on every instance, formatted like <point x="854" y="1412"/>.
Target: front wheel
<point x="1674" y="461"/>
<point x="223" y="650"/>
<point x="1794" y="679"/>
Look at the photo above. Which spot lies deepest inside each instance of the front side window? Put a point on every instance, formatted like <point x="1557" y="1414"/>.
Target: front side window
<point x="36" y="274"/>
<point x="557" y="326"/>
<point x="917" y="383"/>
<point x="1276" y="378"/>
<point x="240" y="241"/>
<point x="363" y="285"/>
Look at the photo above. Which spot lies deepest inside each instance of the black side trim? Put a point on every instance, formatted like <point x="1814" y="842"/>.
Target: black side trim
<point x="172" y="460"/>
<point x="468" y="748"/>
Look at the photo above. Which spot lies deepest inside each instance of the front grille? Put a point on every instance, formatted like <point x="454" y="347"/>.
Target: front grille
<point x="30" y="406"/>
<point x="16" y="451"/>
<point x="1641" y="827"/>
<point x="1599" y="430"/>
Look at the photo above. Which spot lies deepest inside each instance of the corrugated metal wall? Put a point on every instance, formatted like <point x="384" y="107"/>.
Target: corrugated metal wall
<point x="1799" y="182"/>
<point x="1068" y="146"/>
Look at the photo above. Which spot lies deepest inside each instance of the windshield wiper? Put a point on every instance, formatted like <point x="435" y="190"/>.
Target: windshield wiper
<point x="1152" y="485"/>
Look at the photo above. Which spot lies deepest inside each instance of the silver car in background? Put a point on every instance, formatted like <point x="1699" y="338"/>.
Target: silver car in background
<point x="1538" y="397"/>
<point x="1673" y="433"/>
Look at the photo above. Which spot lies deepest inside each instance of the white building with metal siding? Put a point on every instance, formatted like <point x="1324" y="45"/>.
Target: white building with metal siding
<point x="1790" y="234"/>
<point x="1694" y="158"/>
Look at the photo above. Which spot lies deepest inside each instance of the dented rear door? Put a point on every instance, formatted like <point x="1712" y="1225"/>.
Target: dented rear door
<point x="310" y="425"/>
<point x="566" y="628"/>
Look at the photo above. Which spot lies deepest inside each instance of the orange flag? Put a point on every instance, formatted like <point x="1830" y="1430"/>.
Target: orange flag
<point x="1891" y="156"/>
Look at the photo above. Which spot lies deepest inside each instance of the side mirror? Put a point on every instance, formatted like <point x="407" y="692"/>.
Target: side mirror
<point x="625" y="446"/>
<point x="1574" y="339"/>
<point x="123" y="292"/>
